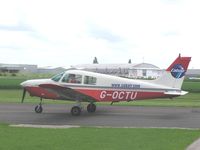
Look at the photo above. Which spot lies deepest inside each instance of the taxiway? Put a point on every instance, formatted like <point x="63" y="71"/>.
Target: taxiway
<point x="111" y="116"/>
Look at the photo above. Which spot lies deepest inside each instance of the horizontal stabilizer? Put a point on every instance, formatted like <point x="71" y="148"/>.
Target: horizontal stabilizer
<point x="176" y="92"/>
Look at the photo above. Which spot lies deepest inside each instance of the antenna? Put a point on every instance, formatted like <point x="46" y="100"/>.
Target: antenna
<point x="143" y="59"/>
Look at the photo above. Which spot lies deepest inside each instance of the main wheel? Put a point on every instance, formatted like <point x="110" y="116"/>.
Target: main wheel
<point x="76" y="111"/>
<point x="91" y="108"/>
<point x="38" y="109"/>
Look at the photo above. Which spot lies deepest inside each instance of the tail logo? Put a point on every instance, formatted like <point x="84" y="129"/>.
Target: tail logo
<point x="178" y="71"/>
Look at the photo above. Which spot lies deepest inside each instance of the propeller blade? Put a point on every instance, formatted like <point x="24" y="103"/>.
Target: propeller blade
<point x="23" y="96"/>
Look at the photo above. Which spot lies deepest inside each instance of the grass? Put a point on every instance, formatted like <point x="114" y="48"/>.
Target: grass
<point x="84" y="138"/>
<point x="192" y="86"/>
<point x="7" y="95"/>
<point x="13" y="82"/>
<point x="15" y="96"/>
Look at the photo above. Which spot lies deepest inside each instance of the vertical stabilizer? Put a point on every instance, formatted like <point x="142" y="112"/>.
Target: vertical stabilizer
<point x="175" y="73"/>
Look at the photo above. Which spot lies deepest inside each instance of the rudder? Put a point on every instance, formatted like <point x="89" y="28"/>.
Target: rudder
<point x="174" y="75"/>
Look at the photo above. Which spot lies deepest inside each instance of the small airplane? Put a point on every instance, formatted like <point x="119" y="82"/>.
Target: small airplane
<point x="83" y="86"/>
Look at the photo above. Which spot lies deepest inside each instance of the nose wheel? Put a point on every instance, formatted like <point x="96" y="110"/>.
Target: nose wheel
<point x="38" y="109"/>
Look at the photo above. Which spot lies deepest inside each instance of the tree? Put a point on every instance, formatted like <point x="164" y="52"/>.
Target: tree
<point x="129" y="61"/>
<point x="95" y="61"/>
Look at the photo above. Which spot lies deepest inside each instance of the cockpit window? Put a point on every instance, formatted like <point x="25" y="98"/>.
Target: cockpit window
<point x="72" y="78"/>
<point x="57" y="77"/>
<point x="90" y="80"/>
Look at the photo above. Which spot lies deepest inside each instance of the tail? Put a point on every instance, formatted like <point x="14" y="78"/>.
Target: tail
<point x="174" y="75"/>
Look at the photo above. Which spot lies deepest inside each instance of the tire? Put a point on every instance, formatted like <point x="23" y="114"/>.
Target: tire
<point x="91" y="108"/>
<point x="38" y="109"/>
<point x="76" y="111"/>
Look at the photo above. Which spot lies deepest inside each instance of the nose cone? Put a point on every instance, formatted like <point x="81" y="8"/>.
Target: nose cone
<point x="24" y="84"/>
<point x="29" y="83"/>
<point x="35" y="82"/>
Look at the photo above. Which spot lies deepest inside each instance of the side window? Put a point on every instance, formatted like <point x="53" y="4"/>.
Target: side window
<point x="65" y="78"/>
<point x="72" y="78"/>
<point x="90" y="80"/>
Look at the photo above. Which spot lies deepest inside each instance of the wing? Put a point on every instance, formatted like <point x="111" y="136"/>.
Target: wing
<point x="66" y="93"/>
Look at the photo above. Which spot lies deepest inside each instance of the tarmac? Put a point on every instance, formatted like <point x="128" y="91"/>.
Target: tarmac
<point x="108" y="116"/>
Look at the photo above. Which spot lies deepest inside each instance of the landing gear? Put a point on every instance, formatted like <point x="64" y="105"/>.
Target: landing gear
<point x="76" y="111"/>
<point x="91" y="108"/>
<point x="38" y="108"/>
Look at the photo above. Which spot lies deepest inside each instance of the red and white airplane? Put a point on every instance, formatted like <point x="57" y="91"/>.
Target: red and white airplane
<point x="84" y="86"/>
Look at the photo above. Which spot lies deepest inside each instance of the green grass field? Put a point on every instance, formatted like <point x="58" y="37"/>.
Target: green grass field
<point x="191" y="86"/>
<point x="84" y="138"/>
<point x="10" y="82"/>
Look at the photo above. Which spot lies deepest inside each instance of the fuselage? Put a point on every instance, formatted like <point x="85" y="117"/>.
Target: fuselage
<point x="89" y="86"/>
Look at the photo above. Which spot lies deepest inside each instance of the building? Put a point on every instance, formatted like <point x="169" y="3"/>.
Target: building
<point x="51" y="70"/>
<point x="193" y="73"/>
<point x="142" y="70"/>
<point x="15" y="68"/>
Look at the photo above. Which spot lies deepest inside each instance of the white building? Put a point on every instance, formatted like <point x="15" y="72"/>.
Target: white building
<point x="142" y="70"/>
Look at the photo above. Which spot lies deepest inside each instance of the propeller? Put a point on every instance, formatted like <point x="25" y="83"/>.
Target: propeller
<point x="23" y="96"/>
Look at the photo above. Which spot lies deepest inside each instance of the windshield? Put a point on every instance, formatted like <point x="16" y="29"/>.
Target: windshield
<point x="57" y="77"/>
<point x="72" y="78"/>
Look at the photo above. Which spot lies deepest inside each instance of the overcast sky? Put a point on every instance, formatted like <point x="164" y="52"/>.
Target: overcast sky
<point x="70" y="32"/>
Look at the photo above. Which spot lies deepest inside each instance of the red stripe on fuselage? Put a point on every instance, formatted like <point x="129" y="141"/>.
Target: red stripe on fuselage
<point x="117" y="95"/>
<point x="100" y="95"/>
